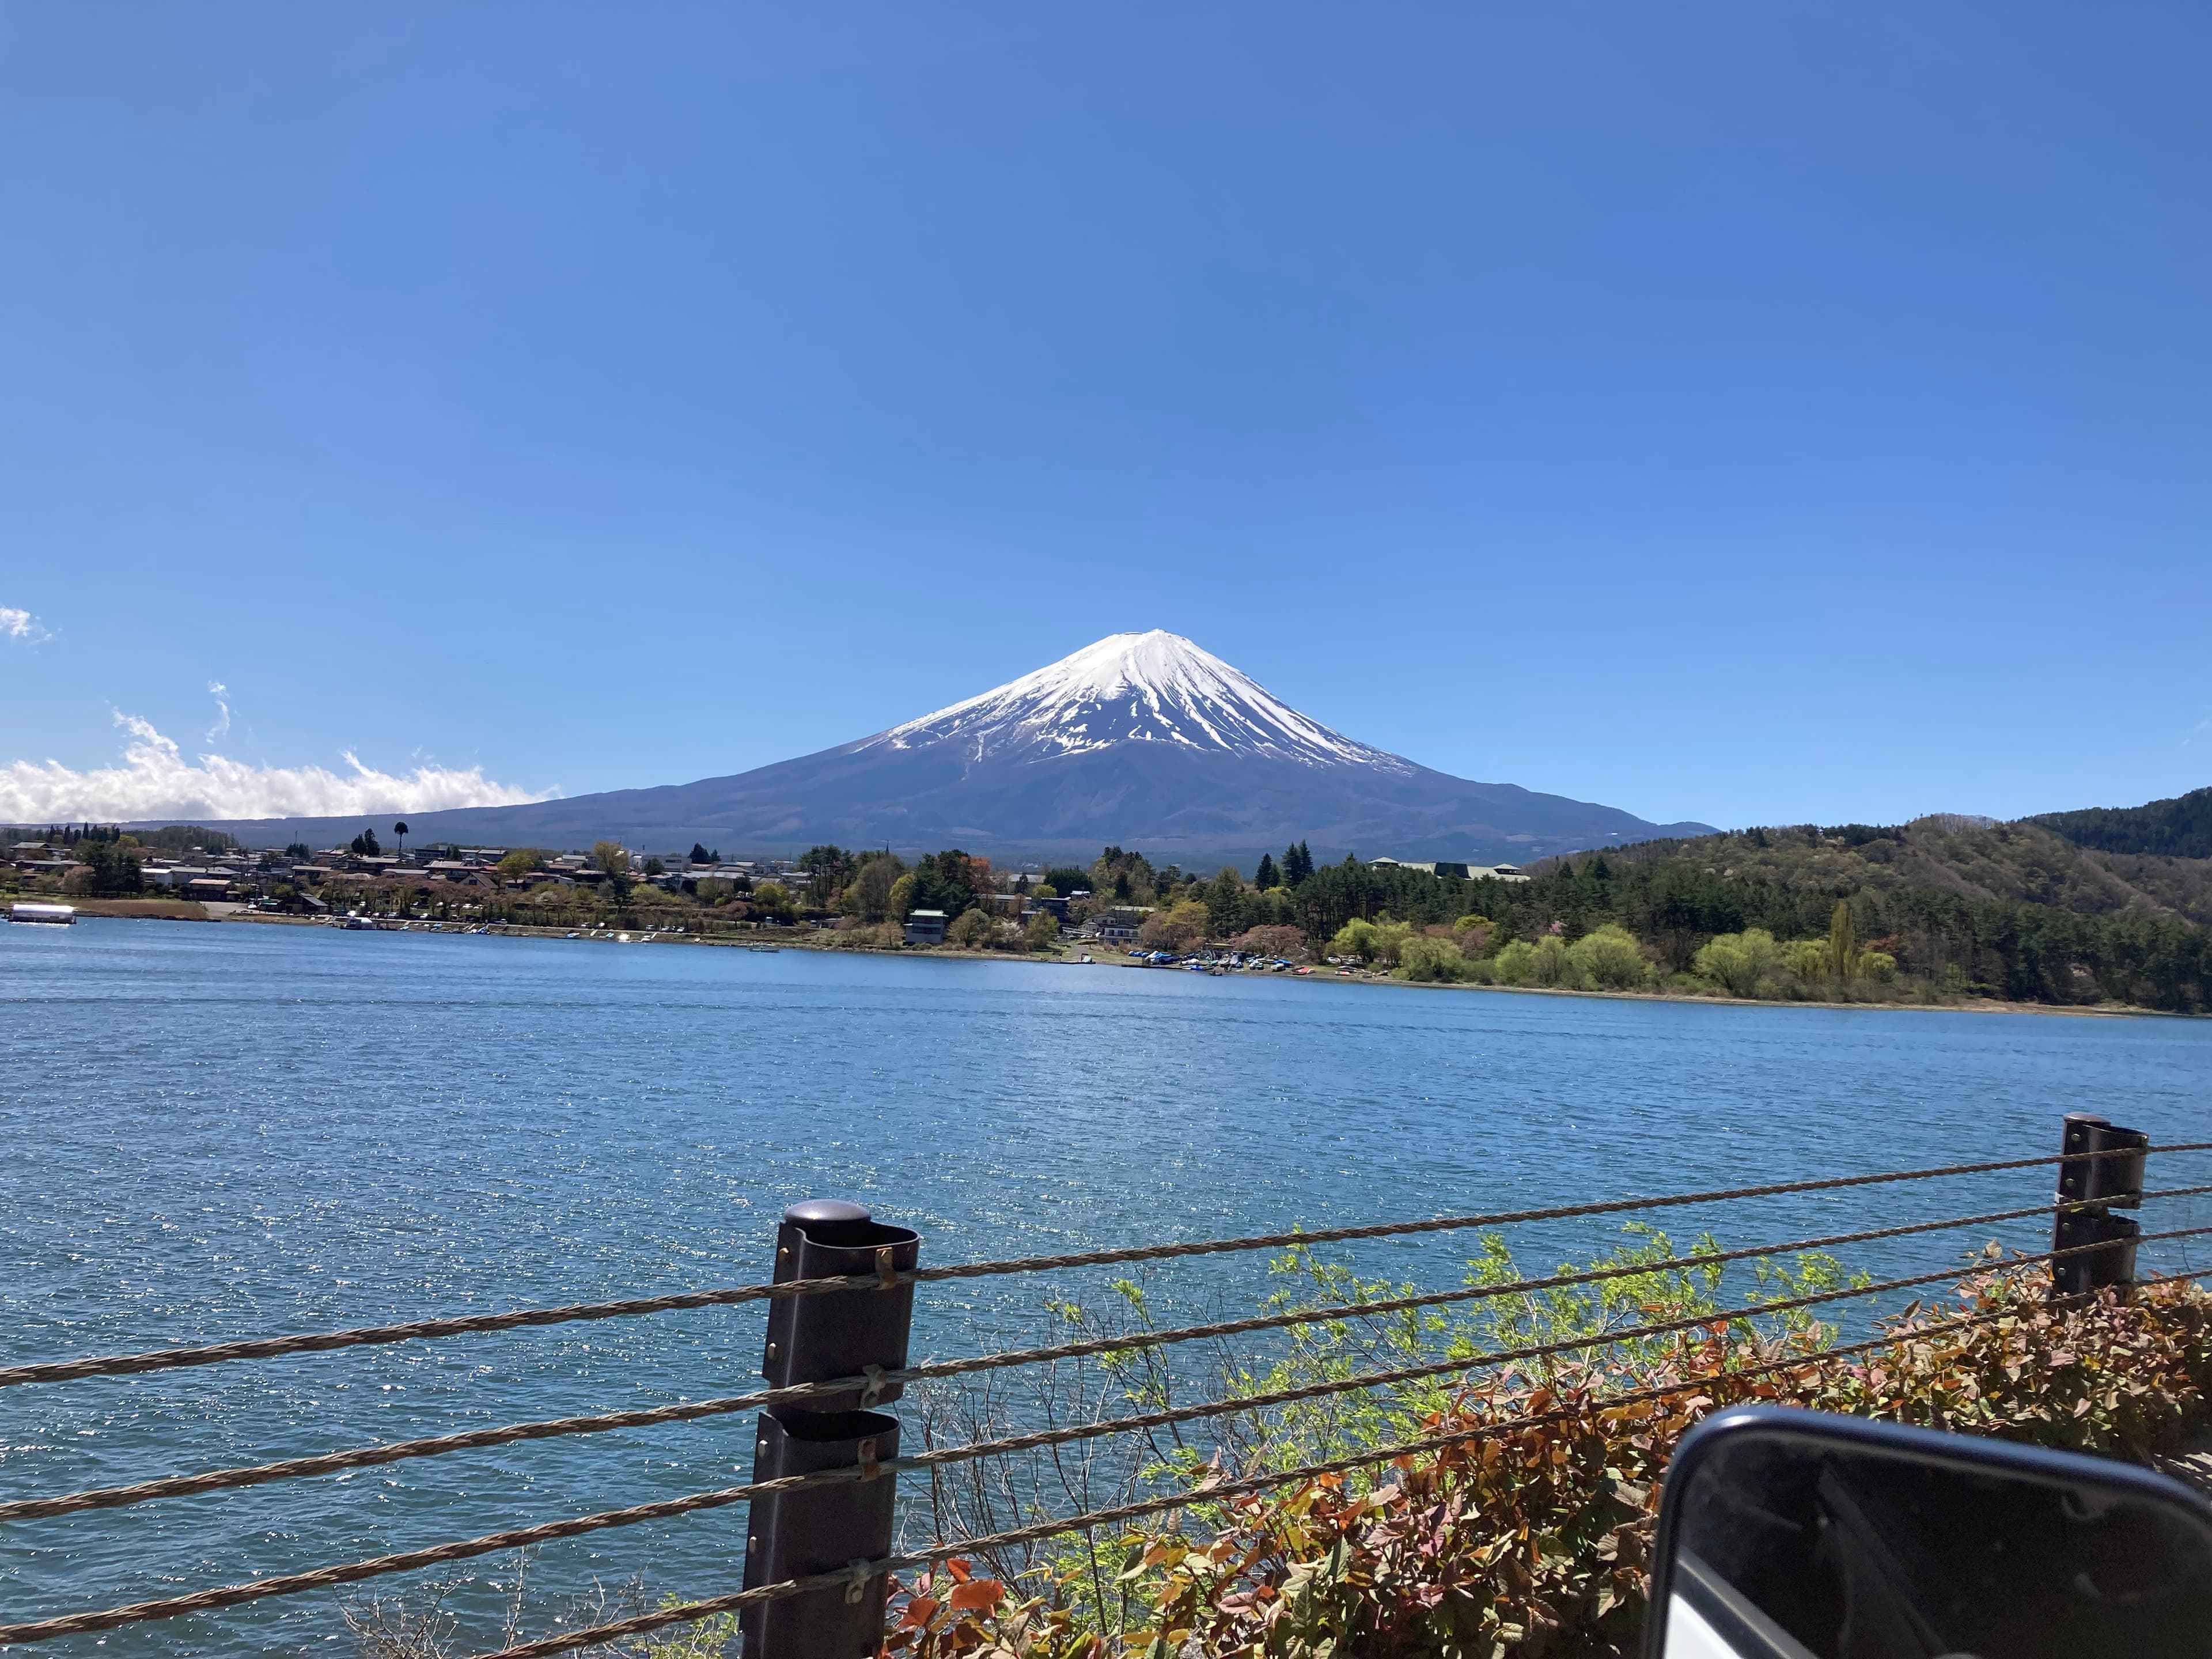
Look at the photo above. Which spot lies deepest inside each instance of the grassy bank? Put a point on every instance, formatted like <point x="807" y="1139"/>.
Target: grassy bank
<point x="155" y="909"/>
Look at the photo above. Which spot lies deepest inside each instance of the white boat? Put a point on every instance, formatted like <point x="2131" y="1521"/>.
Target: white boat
<point x="47" y="915"/>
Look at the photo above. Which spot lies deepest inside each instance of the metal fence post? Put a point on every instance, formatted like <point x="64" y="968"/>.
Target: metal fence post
<point x="2092" y="1187"/>
<point x="812" y="1338"/>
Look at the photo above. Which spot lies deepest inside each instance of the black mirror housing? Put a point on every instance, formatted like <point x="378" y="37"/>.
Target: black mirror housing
<point x="1797" y="1535"/>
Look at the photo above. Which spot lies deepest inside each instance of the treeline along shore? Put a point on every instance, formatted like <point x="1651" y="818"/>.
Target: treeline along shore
<point x="1939" y="911"/>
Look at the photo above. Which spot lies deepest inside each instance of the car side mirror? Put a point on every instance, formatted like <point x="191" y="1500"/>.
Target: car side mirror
<point x="1797" y="1535"/>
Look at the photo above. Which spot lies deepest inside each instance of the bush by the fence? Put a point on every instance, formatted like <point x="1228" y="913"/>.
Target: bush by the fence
<point x="1533" y="1540"/>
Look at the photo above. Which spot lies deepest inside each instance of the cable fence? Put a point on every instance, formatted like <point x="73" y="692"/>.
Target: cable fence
<point x="822" y="1505"/>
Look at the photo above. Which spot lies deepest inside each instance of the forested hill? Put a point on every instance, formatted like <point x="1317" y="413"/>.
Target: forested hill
<point x="1942" y="907"/>
<point x="2007" y="910"/>
<point x="2180" y="828"/>
<point x="2021" y="863"/>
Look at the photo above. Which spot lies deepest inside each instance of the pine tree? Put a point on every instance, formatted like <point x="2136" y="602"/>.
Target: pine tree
<point x="1264" y="877"/>
<point x="1843" y="943"/>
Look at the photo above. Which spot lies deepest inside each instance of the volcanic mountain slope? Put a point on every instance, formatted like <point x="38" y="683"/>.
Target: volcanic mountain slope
<point x="1142" y="739"/>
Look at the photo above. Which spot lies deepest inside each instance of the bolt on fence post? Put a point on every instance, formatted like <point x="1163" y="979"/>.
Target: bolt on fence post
<point x="812" y="1338"/>
<point x="2091" y="1187"/>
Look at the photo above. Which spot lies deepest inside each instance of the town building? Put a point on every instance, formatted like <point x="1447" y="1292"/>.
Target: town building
<point x="1451" y="867"/>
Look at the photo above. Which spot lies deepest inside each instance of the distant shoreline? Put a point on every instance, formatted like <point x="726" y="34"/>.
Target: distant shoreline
<point x="179" y="909"/>
<point x="1972" y="1005"/>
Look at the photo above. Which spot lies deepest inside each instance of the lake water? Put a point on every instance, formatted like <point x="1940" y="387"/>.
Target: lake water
<point x="217" y="1131"/>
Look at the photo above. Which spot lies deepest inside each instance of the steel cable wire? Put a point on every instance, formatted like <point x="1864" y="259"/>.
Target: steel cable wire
<point x="863" y="1572"/>
<point x="399" y="1451"/>
<point x="547" y="1532"/>
<point x="65" y="1371"/>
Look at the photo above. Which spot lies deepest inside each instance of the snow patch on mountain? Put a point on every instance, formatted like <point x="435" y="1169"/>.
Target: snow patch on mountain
<point x="1133" y="688"/>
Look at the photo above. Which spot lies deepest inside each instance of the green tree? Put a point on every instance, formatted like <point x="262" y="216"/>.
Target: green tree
<point x="1807" y="959"/>
<point x="1265" y="877"/>
<point x="113" y="865"/>
<point x="1740" y="963"/>
<point x="1549" y="963"/>
<point x="828" y="869"/>
<point x="973" y="930"/>
<point x="1425" y="961"/>
<point x="1042" y="932"/>
<point x="518" y="863"/>
<point x="1378" y="942"/>
<point x="869" y="895"/>
<point x="1515" y="962"/>
<point x="1356" y="937"/>
<point x="1474" y="934"/>
<point x="899" y="902"/>
<point x="1067" y="880"/>
<point x="1609" y="958"/>
<point x="773" y="900"/>
<point x="699" y="855"/>
<point x="951" y="881"/>
<point x="1123" y="877"/>
<point x="1177" y="928"/>
<point x="1223" y="897"/>
<point x="1843" y="943"/>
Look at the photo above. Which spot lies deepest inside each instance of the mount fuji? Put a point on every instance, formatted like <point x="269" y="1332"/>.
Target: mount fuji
<point x="1141" y="740"/>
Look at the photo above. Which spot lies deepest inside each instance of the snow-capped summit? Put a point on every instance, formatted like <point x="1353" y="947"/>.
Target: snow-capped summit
<point x="1133" y="688"/>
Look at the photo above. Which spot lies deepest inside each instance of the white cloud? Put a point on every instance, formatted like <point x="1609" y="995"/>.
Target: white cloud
<point x="156" y="781"/>
<point x="20" y="625"/>
<point x="219" y="691"/>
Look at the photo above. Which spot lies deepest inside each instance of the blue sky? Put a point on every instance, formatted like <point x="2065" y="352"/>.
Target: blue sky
<point x="1747" y="412"/>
